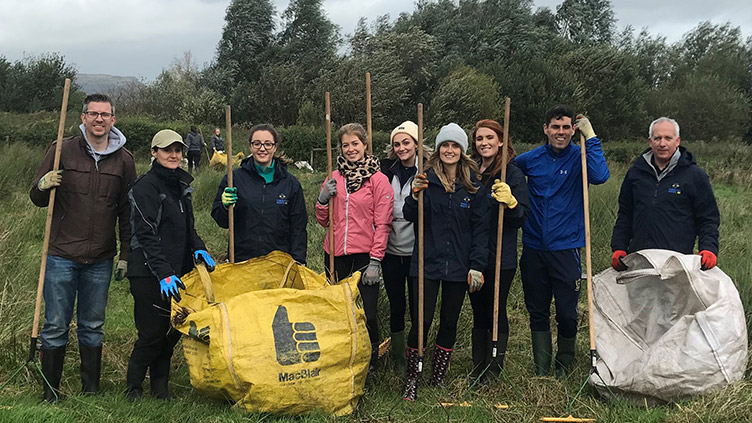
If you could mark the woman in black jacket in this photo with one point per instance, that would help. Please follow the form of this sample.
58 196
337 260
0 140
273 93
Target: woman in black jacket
487 147
455 246
164 245
270 212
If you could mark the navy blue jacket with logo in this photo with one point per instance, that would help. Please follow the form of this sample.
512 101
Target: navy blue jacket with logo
556 220
455 232
668 214
269 216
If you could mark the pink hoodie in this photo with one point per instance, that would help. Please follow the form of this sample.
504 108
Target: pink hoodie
362 220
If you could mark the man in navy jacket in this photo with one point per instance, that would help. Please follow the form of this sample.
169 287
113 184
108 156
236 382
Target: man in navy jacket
666 201
555 231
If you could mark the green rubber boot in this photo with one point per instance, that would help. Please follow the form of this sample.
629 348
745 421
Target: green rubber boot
564 355
542 352
398 351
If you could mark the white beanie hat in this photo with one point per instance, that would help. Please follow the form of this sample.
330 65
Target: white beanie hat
407 127
452 132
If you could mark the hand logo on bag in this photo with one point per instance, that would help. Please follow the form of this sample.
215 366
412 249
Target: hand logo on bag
294 342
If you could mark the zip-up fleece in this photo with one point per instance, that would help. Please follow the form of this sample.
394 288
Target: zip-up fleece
554 180
362 220
402 236
268 216
669 213
92 196
164 237
455 233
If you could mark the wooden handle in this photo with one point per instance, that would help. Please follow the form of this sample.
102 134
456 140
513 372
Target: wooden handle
206 282
497 272
588 265
368 113
50 209
230 160
327 104
421 223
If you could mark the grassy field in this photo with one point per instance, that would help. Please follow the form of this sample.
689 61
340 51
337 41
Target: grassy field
21 233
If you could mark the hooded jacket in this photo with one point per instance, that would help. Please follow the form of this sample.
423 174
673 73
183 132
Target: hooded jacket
163 233
362 220
92 198
554 180
513 219
667 212
194 141
268 216
402 235
456 230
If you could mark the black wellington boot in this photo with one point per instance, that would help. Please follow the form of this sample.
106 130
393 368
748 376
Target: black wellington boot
496 364
564 355
542 351
134 380
440 366
91 368
52 369
410 392
480 348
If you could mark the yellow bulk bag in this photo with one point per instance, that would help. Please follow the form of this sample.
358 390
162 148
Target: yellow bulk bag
219 160
277 338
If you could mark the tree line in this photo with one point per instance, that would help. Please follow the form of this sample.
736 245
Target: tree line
458 58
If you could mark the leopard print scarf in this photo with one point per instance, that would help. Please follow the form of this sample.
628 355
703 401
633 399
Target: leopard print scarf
357 173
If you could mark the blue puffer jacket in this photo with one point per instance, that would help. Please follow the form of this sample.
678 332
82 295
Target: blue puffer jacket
456 230
556 220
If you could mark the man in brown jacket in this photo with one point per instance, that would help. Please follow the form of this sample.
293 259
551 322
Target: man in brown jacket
95 175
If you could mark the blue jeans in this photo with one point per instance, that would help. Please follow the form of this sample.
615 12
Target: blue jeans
62 281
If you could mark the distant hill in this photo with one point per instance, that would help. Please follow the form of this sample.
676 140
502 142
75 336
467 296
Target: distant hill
108 84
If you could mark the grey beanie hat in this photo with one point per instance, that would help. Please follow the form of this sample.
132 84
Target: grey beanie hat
452 132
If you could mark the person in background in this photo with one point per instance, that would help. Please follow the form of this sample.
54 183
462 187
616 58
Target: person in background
362 201
487 147
96 172
195 142
554 232
455 247
164 247
270 212
400 167
217 142
666 201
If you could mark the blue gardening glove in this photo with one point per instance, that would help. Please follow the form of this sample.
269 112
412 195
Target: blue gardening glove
50 179
371 275
169 287
229 196
328 191
121 270
202 255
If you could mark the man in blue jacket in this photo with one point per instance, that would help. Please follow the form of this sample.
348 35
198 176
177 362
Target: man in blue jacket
666 201
555 231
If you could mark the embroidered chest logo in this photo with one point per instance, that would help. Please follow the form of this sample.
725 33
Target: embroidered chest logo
465 203
563 172
282 199
675 189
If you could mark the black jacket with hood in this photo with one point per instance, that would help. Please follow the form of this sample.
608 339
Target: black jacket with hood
269 216
668 211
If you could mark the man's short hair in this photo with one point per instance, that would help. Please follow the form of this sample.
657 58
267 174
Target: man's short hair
559 111
97 98
663 119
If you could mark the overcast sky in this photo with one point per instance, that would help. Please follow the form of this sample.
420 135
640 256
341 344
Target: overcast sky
141 37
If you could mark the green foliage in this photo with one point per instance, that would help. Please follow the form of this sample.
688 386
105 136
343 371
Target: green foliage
463 96
586 22
36 83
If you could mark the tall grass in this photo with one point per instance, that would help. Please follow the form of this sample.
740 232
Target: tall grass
21 232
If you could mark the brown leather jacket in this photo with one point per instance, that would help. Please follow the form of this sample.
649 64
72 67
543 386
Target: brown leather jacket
88 202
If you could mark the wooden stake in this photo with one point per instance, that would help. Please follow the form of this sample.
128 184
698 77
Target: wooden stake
230 160
421 223
588 264
368 113
497 272
327 104
48 222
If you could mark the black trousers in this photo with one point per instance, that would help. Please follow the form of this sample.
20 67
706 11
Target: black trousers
483 300
156 338
345 266
452 297
194 158
547 275
395 270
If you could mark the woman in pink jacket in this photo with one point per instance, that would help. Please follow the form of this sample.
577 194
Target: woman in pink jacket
362 201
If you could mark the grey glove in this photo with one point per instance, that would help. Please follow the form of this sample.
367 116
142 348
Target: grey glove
475 280
583 124
371 275
50 180
121 270
328 191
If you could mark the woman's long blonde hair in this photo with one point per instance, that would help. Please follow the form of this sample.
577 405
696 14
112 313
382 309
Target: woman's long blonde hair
464 168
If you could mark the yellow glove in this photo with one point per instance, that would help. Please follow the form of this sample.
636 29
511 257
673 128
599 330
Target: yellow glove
501 192
583 124
50 180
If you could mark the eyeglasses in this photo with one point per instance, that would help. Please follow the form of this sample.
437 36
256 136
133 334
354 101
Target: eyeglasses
267 145
94 115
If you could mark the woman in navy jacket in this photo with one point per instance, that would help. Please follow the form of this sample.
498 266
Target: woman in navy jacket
456 246
270 212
